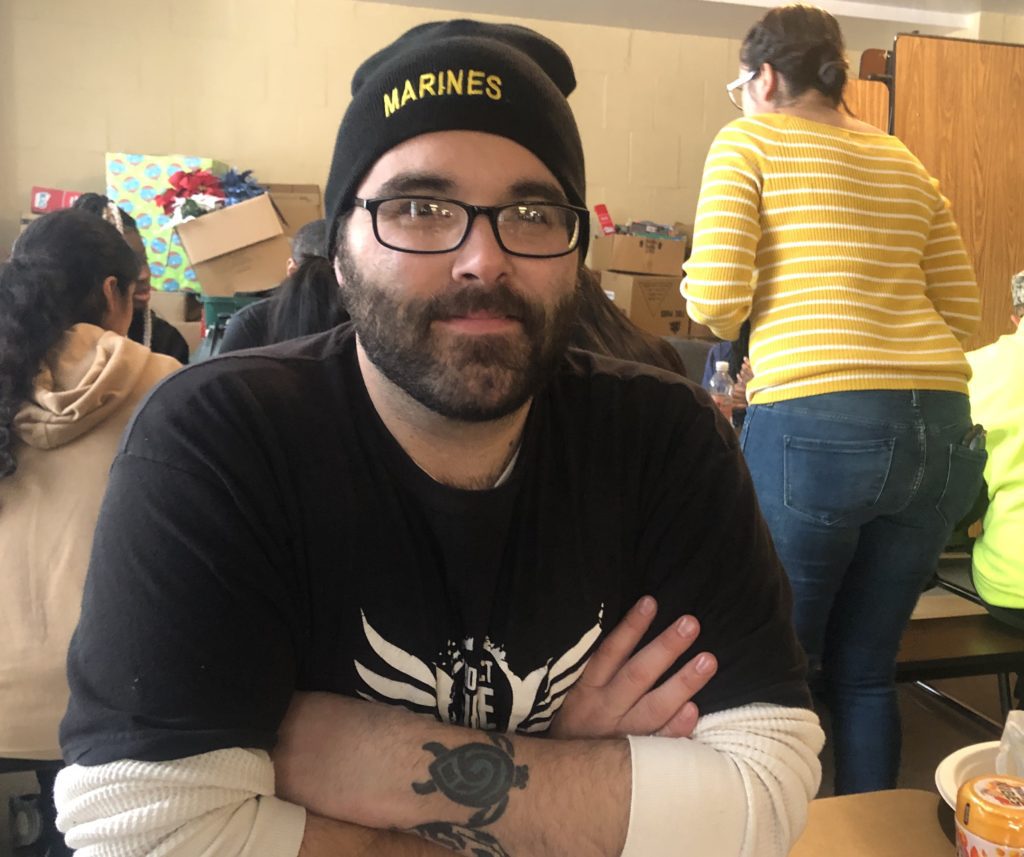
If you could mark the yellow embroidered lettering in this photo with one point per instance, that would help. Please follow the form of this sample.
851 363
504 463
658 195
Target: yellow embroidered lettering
408 94
455 82
449 81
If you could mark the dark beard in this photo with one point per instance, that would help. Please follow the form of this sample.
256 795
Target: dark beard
473 378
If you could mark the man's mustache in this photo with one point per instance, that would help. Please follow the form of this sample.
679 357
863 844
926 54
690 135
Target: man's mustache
495 300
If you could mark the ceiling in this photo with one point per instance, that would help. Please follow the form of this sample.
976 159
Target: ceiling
866 23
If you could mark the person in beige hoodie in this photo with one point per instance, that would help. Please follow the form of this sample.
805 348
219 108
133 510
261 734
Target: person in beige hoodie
69 382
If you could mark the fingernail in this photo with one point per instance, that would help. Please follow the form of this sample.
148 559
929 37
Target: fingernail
687 626
705 664
645 605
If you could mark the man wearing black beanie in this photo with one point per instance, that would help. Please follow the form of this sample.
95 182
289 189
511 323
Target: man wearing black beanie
438 510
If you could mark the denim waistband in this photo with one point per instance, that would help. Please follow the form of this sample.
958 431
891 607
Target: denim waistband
906 407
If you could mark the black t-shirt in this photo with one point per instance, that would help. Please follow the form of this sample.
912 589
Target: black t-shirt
165 339
248 328
263 533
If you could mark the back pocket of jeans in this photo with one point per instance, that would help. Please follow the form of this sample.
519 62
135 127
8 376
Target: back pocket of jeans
963 482
835 481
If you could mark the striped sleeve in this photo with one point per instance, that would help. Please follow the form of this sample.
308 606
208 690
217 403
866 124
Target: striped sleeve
950 283
719 273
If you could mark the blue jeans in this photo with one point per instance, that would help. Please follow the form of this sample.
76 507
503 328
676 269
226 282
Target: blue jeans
861 491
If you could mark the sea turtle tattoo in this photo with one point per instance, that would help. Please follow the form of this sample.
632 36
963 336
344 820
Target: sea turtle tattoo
476 775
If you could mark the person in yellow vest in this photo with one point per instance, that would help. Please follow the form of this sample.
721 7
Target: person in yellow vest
835 242
998 560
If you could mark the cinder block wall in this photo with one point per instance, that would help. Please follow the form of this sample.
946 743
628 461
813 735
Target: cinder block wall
262 84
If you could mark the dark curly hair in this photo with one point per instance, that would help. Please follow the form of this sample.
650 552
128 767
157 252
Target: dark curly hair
804 45
102 206
53 280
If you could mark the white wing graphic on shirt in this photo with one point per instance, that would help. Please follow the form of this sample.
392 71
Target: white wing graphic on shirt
561 676
419 690
535 698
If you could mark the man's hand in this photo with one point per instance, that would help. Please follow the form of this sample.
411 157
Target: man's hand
613 697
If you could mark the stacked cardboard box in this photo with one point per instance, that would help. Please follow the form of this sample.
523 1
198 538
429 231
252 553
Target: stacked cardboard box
245 247
642 275
652 303
183 310
134 181
298 204
635 254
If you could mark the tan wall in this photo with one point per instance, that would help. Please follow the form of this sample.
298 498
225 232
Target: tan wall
998 27
262 84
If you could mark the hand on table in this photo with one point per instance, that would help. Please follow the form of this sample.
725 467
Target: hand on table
613 697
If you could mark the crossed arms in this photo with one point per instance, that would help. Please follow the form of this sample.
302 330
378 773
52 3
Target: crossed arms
371 775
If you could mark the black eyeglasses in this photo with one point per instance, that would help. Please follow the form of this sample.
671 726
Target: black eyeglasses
423 224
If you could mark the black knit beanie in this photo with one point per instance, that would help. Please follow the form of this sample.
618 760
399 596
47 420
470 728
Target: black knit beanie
460 75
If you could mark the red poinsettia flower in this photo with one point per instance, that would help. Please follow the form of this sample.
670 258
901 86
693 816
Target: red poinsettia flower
166 200
185 185
202 181
177 180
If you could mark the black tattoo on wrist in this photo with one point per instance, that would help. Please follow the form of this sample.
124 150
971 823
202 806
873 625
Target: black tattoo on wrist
479 776
461 839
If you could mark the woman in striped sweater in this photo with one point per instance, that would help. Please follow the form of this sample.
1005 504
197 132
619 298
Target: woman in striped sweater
834 241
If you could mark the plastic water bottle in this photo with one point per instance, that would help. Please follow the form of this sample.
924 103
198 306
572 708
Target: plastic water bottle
720 387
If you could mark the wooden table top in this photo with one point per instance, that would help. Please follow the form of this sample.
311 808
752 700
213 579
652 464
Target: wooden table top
898 823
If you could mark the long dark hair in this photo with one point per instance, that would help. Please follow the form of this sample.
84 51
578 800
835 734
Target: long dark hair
53 280
603 328
803 44
309 301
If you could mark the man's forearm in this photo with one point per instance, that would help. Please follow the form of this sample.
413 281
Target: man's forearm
472 792
325 837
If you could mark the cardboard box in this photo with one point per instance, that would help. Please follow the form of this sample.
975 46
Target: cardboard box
699 331
180 306
636 255
651 303
298 204
242 248
193 333
133 182
47 199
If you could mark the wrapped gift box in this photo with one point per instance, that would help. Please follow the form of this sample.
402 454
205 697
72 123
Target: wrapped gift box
133 181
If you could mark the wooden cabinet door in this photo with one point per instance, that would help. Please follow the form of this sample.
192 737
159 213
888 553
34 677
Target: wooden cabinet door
960 108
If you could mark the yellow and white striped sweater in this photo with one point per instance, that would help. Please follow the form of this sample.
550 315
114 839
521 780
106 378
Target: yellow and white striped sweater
839 247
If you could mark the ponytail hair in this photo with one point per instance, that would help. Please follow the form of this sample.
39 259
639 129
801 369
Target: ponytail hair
804 45
309 301
103 206
53 280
